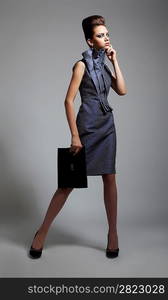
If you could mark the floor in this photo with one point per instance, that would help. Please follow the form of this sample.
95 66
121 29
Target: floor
80 252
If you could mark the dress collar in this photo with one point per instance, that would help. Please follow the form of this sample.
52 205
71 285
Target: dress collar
95 62
97 56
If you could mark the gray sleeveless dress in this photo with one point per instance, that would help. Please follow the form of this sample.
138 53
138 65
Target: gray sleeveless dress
95 120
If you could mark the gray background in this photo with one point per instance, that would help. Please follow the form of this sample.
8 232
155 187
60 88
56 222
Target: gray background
39 43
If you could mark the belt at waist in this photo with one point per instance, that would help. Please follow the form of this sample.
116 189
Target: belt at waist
105 107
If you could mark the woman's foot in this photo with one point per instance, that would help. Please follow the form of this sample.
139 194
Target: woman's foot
36 248
112 249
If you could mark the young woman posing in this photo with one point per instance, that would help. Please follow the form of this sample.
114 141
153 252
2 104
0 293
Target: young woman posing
94 127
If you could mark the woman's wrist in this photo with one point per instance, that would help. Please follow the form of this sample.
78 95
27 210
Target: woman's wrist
75 135
113 61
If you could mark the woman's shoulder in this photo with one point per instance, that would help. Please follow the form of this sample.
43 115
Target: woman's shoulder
79 64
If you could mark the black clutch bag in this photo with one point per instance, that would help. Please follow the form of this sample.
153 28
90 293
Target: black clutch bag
71 169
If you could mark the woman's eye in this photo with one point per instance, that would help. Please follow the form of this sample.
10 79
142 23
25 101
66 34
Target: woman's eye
101 35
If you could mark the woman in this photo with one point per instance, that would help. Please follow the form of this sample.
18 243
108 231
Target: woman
94 127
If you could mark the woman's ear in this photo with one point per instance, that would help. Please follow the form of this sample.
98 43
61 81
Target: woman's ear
90 43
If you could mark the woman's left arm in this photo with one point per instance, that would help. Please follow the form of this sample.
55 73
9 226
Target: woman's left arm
118 82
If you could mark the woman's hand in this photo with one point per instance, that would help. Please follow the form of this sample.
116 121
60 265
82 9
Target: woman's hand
76 145
110 52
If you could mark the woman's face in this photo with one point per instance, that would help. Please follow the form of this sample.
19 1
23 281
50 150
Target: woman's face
100 38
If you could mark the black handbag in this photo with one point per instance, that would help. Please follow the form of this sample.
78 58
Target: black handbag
71 169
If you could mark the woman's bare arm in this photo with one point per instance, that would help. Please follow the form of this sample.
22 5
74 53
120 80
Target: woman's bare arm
78 71
118 82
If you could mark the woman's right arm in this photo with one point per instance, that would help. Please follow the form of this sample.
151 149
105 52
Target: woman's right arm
78 71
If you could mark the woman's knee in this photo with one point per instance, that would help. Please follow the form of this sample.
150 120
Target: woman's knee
65 190
108 178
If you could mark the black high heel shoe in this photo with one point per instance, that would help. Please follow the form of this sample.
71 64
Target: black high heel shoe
111 253
35 253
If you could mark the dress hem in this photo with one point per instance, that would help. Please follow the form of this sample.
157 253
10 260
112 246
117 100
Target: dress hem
98 174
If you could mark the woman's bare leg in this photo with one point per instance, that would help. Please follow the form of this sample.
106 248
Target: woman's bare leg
110 201
54 207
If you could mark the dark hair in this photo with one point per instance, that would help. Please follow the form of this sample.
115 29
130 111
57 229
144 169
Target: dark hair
89 23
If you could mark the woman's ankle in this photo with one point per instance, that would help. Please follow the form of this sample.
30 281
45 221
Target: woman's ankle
42 232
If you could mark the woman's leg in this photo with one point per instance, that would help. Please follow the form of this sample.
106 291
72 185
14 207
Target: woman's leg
110 201
54 207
